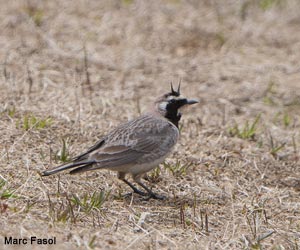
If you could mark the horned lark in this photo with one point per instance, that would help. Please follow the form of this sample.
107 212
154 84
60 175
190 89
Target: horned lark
137 146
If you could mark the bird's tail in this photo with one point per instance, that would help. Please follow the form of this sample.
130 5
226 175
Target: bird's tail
83 163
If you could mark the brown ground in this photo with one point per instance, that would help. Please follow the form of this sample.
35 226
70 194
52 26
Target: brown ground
226 188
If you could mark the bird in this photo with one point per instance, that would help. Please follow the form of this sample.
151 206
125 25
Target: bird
137 146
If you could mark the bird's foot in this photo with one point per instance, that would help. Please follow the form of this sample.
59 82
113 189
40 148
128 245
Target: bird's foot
145 196
140 192
155 196
127 195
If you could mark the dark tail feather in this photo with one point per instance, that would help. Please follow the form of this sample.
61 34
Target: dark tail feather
65 166
82 169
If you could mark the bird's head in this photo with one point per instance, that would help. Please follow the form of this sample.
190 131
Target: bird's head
169 104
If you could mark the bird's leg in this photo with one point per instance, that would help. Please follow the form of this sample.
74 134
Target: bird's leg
137 179
150 193
134 188
121 176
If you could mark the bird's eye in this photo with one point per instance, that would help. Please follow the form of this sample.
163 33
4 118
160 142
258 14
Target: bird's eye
172 101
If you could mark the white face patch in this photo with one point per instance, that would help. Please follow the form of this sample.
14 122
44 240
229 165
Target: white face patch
163 106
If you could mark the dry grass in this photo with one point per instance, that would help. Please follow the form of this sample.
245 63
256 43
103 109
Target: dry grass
72 70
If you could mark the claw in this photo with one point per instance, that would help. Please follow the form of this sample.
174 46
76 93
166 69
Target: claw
158 197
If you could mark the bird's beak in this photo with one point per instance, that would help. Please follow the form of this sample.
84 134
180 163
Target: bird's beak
191 101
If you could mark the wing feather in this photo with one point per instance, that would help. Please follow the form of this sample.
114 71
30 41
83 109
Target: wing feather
142 144
138 141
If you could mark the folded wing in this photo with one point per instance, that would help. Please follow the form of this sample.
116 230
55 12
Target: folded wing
139 141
